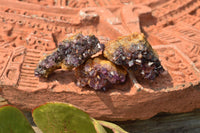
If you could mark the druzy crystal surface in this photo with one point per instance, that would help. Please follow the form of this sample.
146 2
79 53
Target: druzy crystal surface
134 52
70 53
125 55
98 73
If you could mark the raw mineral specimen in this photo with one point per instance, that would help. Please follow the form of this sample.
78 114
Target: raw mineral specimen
99 73
70 53
50 63
135 53
126 54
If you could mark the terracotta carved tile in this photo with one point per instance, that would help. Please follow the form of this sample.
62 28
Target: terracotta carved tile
31 28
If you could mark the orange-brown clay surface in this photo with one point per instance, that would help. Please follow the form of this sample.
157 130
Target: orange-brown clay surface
30 28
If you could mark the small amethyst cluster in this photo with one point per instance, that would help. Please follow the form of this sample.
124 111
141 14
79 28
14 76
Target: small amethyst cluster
49 64
78 49
98 73
70 53
134 52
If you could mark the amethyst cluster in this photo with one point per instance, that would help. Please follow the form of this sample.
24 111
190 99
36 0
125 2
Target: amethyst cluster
98 73
49 64
70 53
135 53
127 53
78 49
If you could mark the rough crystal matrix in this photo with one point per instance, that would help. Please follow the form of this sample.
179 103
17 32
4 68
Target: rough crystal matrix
70 53
126 54
99 73
134 52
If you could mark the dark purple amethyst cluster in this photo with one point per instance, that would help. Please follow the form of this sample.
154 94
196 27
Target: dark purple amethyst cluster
70 53
49 64
78 49
127 53
149 66
99 73
134 52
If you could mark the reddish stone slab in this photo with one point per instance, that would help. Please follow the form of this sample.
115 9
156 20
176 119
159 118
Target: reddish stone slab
173 92
28 30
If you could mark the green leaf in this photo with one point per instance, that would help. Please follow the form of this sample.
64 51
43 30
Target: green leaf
12 120
98 127
115 128
62 118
